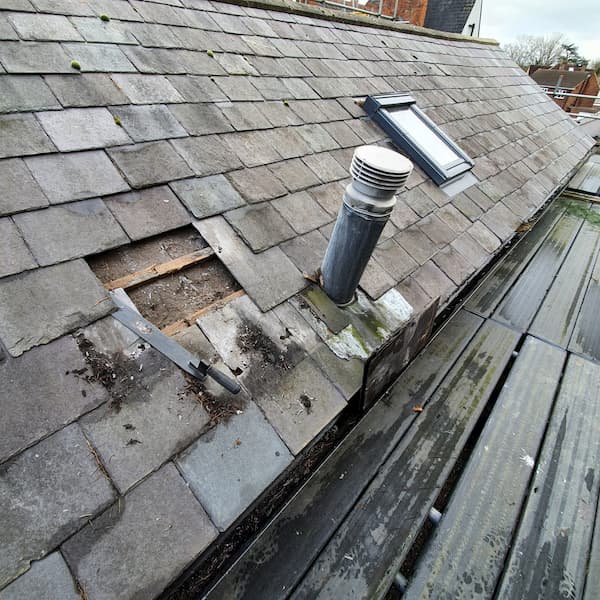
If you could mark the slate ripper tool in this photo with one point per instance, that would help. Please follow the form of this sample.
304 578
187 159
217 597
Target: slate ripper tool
170 348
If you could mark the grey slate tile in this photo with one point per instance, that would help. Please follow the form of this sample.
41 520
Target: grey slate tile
484 237
234 64
232 464
7 31
161 509
165 414
88 89
195 88
326 167
207 196
434 281
394 259
329 197
417 244
64 7
96 30
76 176
105 58
150 163
271 88
268 278
257 184
475 254
60 473
436 230
115 8
42 391
414 294
501 221
207 155
298 426
147 89
294 175
34 57
244 116
69 231
18 189
453 218
342 134
14 254
260 226
287 142
301 211
39 27
279 114
252 148
454 265
201 119
237 88
20 5
25 92
39 306
21 135
48 578
148 212
149 123
306 251
375 280
82 129
317 138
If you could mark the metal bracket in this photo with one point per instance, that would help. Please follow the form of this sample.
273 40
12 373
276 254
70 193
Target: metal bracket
168 347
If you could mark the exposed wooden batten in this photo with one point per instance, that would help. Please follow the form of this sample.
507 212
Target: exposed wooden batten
158 270
184 323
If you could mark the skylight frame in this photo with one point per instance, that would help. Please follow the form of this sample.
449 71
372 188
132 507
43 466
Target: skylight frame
380 108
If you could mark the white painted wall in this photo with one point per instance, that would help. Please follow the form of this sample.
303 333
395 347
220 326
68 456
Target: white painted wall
474 17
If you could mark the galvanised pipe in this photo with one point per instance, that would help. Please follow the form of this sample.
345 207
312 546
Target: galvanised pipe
369 199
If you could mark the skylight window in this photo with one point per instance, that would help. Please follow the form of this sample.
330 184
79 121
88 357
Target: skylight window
418 136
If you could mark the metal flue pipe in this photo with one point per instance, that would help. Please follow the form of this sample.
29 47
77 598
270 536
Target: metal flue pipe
377 174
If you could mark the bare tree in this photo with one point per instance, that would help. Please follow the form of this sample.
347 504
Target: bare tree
538 50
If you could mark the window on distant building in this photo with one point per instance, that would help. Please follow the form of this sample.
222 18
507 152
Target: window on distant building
559 93
418 136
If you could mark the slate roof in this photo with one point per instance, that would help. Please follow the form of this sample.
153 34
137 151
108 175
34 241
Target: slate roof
448 15
557 77
242 121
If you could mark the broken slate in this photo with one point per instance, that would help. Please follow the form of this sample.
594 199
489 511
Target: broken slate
39 306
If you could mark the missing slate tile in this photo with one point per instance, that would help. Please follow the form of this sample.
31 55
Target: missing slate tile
188 287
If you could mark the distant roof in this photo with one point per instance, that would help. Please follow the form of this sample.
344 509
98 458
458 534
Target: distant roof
556 77
448 15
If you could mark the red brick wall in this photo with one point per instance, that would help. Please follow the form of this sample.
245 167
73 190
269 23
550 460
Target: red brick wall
413 11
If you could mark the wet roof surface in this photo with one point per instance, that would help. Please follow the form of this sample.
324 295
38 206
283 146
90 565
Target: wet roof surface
241 121
526 347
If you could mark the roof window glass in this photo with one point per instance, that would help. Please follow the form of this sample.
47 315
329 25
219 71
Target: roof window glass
418 136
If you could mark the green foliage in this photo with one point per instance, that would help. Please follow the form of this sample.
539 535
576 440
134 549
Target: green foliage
210 53
75 65
105 18
117 121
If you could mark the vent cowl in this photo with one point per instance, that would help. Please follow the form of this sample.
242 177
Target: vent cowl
381 171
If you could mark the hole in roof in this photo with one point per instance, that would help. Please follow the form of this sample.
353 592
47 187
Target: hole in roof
170 278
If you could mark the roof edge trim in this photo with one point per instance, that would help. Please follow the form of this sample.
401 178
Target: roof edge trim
289 6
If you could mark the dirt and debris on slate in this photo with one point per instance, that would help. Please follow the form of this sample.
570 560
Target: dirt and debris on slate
200 125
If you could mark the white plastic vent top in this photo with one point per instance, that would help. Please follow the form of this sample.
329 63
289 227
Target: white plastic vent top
380 168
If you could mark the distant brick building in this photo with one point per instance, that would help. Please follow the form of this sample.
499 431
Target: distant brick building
568 79
453 16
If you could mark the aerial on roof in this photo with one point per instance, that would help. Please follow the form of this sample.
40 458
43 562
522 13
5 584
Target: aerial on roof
194 154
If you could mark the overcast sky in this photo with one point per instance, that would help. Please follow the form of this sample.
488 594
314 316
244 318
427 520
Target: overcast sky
579 20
